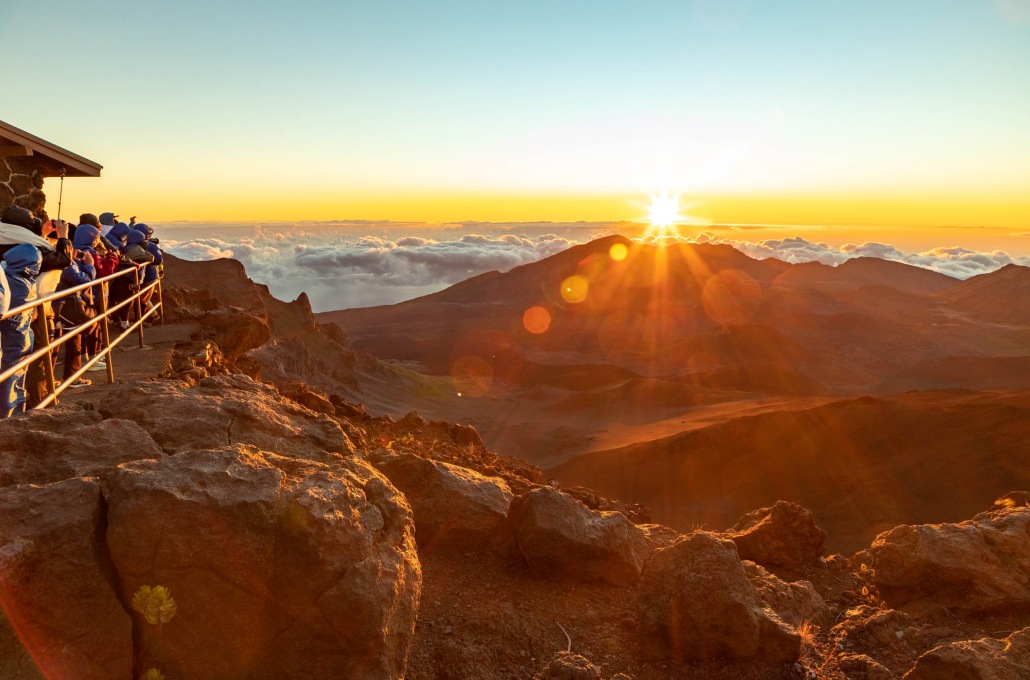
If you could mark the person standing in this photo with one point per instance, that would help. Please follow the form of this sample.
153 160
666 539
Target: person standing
22 265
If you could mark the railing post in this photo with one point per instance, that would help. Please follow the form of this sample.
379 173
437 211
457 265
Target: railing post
160 302
105 335
139 309
43 330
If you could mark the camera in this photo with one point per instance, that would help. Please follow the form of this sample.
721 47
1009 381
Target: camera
155 241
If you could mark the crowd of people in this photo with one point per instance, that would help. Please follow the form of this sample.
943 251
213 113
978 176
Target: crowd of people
76 254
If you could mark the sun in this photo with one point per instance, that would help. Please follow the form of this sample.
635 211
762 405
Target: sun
664 214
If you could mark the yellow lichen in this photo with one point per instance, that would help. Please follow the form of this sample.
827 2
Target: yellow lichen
155 604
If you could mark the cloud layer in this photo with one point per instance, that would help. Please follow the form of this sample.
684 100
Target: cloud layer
376 264
338 272
953 261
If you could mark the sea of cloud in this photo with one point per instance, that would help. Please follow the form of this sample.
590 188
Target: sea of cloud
339 266
338 269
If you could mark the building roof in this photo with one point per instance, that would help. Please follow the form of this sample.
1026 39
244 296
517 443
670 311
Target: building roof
50 159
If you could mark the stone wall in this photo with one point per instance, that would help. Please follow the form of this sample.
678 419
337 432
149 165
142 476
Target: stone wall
22 184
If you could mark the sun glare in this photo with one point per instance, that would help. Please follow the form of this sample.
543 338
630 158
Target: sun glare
664 214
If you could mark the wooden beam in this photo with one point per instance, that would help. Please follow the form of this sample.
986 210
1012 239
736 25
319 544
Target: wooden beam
14 150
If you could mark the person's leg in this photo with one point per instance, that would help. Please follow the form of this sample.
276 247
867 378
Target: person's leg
72 356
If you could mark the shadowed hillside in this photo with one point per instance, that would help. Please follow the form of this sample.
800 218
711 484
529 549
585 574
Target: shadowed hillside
861 465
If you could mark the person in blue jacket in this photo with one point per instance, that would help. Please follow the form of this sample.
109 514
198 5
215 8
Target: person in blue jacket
153 271
80 271
22 265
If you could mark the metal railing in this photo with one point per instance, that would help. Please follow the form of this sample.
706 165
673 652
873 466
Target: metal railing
43 329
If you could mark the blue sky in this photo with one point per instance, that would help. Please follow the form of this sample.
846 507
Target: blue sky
333 106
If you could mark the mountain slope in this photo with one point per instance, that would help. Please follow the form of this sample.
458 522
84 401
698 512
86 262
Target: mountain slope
861 465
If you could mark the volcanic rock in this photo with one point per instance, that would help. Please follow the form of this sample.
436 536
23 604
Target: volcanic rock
886 635
784 535
227 410
308 397
986 659
568 666
279 568
237 331
559 536
453 506
695 602
40 447
794 602
55 588
980 565
660 535
265 337
862 667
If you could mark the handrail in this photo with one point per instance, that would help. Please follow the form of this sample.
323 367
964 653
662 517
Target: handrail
57 295
107 344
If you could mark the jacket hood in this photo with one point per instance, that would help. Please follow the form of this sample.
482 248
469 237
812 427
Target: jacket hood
23 260
144 229
85 235
119 232
134 238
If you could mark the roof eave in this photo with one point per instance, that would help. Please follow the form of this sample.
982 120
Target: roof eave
54 158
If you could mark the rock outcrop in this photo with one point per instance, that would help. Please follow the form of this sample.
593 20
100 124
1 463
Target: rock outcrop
695 602
64 442
279 568
795 602
979 565
227 410
784 535
454 507
261 336
60 617
986 659
561 537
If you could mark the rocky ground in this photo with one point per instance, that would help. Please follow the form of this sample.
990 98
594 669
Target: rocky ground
210 525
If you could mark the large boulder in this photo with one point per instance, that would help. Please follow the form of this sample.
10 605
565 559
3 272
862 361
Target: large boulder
41 447
784 535
795 602
227 410
453 506
986 659
695 602
559 536
60 616
979 565
279 567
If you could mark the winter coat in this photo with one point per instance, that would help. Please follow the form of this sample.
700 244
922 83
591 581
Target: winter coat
58 258
106 264
22 263
118 233
153 271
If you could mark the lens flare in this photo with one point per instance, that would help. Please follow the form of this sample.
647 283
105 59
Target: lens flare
536 320
473 374
574 289
618 252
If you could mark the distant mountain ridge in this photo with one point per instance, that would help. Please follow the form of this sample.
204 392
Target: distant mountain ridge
689 309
